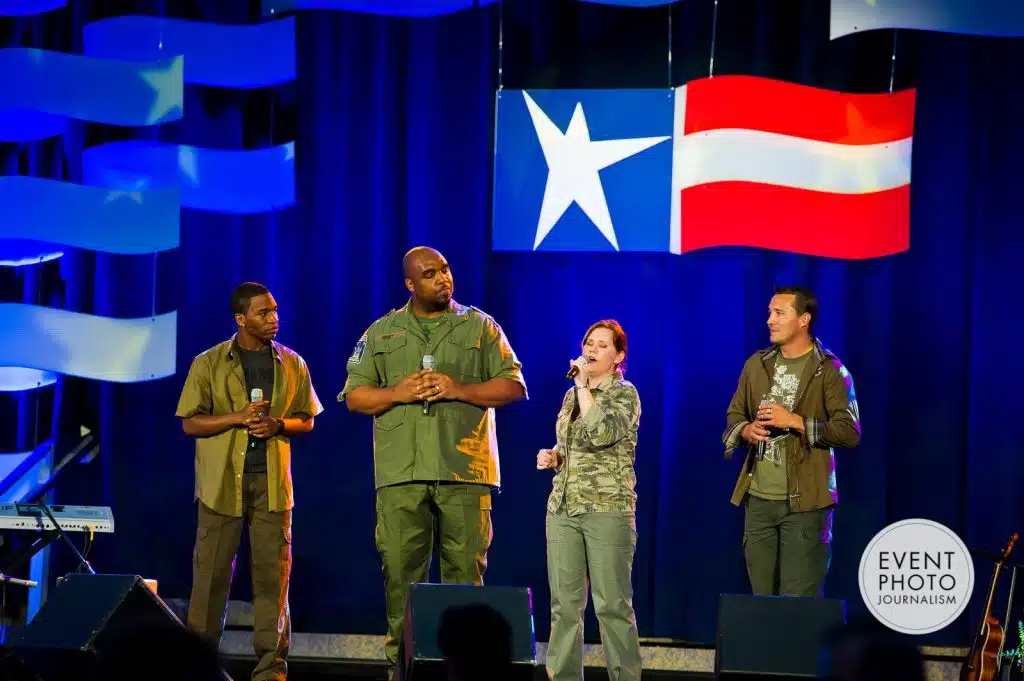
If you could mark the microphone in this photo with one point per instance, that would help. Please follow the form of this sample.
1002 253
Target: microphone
15 580
428 364
765 399
580 362
255 395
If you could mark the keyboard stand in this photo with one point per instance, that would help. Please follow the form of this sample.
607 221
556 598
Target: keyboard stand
15 551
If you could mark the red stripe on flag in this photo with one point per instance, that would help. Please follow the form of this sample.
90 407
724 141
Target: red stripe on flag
846 226
798 110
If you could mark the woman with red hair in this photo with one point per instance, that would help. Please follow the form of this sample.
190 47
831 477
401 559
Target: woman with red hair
591 524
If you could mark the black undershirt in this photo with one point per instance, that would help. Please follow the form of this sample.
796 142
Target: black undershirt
258 366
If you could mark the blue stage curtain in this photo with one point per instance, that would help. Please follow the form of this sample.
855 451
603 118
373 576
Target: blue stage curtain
393 123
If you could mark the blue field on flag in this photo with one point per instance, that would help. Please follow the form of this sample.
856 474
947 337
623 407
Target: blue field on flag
583 170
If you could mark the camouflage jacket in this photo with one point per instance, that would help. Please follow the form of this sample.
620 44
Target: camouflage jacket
596 452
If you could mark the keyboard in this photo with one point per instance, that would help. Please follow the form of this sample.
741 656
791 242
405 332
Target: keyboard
71 518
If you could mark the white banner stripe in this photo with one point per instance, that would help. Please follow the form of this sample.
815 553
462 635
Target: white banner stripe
88 346
770 158
997 18
678 127
16 379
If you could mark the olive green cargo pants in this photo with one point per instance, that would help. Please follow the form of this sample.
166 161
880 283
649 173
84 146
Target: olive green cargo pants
409 517
787 553
213 564
595 550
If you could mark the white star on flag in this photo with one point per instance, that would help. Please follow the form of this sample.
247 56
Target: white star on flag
574 161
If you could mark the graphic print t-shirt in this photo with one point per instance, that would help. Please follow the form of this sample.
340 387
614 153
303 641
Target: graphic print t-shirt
770 473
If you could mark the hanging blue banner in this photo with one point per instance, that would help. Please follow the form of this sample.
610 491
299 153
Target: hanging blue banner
26 125
217 55
55 213
25 8
25 252
417 8
96 90
216 180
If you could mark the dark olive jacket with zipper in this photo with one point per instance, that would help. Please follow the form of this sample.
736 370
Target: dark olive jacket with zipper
826 401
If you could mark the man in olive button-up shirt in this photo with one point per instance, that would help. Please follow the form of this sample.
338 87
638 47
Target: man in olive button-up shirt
435 464
243 471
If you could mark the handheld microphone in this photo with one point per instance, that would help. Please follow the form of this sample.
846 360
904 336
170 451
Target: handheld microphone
580 361
428 364
15 580
760 445
255 395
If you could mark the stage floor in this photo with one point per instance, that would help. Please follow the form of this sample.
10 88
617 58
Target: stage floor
356 656
361 657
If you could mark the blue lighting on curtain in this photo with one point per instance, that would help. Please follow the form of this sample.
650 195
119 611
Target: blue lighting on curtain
89 346
89 89
217 55
23 8
19 379
93 218
216 180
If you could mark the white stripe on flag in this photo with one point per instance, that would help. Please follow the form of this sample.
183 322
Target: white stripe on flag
770 158
675 244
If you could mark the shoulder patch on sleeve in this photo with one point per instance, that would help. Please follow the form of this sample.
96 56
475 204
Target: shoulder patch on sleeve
357 351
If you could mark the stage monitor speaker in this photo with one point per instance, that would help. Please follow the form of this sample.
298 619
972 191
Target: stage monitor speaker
762 636
83 621
419 656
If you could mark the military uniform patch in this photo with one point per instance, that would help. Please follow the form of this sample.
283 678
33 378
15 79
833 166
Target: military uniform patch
357 351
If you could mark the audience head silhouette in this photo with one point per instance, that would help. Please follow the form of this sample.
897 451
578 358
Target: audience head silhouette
865 650
476 642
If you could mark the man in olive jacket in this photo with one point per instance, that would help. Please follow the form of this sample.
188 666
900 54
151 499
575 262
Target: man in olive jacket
435 448
794 403
243 472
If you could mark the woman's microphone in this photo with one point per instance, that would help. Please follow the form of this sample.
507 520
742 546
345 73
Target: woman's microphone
580 362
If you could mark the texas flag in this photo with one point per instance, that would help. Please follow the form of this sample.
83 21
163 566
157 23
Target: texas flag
723 161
